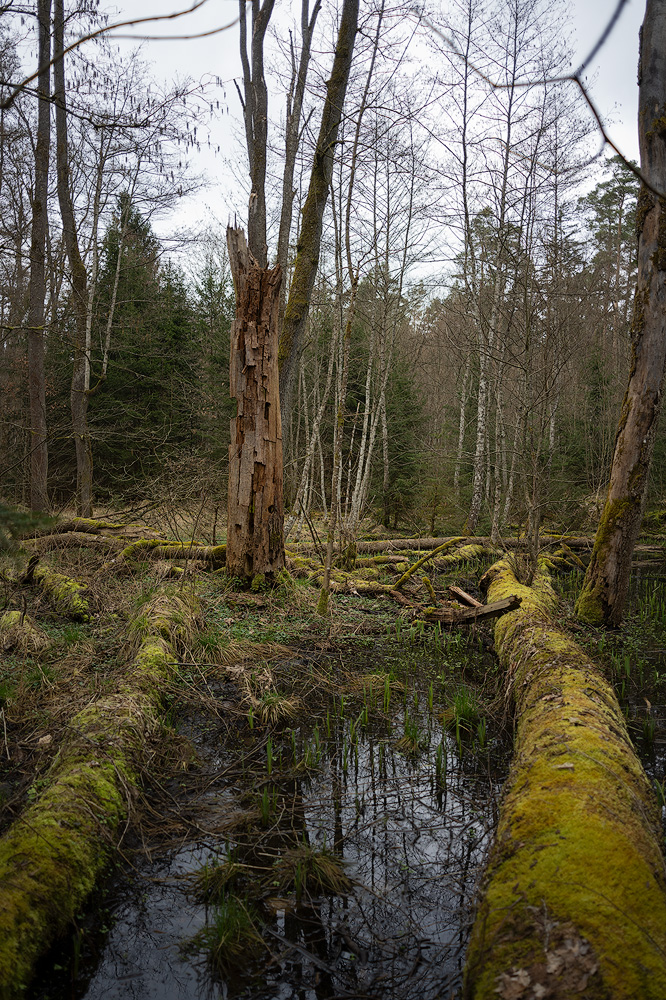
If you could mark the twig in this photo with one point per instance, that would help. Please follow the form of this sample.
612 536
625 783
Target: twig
4 726
315 536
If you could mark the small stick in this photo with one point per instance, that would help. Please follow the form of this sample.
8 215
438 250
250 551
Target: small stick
4 726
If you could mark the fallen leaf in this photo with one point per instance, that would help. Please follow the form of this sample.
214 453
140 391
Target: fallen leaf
44 741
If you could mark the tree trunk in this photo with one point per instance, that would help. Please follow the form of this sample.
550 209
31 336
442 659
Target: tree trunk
39 459
574 896
309 243
292 136
255 529
606 583
79 278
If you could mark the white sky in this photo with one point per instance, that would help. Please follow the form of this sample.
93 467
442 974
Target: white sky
611 79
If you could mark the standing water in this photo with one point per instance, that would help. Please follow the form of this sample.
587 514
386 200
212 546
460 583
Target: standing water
348 847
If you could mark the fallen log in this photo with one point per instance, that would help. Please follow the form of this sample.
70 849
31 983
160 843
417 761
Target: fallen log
66 594
74 539
90 526
574 896
464 597
468 616
427 544
52 855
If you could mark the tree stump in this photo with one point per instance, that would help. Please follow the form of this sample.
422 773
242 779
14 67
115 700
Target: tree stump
255 526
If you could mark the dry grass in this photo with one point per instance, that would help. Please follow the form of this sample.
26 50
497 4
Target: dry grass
304 870
19 634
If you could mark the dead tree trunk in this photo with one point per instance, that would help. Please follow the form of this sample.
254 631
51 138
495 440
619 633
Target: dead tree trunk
574 896
606 583
255 529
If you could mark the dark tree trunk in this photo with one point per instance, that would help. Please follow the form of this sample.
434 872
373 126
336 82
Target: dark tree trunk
39 460
255 526
293 132
255 114
79 388
309 243
607 580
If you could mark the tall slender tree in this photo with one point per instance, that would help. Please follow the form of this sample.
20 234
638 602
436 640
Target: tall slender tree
36 313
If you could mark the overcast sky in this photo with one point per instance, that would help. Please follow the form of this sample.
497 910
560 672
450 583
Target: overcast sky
611 78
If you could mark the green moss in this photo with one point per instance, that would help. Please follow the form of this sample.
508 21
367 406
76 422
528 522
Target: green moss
592 606
644 206
577 855
322 603
52 856
66 594
258 582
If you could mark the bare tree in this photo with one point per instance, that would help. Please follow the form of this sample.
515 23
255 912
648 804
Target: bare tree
36 312
78 275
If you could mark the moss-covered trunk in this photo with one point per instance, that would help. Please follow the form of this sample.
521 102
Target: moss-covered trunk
606 583
574 896
255 523
309 239
53 854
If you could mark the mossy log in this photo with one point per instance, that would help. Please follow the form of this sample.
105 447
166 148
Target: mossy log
19 632
574 895
52 855
91 526
420 545
66 594
424 559
74 539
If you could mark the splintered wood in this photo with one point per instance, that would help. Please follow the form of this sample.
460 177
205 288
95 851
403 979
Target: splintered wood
255 533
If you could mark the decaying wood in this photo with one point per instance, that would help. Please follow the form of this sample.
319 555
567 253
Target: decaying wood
574 895
461 595
468 616
255 528
387 545
74 539
91 526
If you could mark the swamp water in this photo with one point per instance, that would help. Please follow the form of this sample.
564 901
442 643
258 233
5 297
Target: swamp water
405 802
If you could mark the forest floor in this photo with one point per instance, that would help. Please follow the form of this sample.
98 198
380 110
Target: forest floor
295 759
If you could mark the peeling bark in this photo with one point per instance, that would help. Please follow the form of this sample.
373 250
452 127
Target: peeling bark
255 527
574 896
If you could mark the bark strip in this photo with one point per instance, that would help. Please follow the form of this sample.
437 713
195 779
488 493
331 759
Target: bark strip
574 895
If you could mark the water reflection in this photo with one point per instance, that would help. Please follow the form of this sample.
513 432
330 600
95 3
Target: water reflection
411 844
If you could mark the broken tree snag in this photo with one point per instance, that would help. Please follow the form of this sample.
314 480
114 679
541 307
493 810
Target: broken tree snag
255 527
574 895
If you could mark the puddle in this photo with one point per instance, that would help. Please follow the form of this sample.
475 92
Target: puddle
410 828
